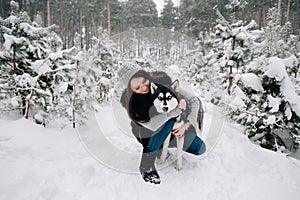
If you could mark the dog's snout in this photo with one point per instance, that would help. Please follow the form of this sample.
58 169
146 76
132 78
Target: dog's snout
165 109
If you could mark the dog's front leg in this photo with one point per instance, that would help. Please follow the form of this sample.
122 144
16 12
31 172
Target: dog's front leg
180 141
199 133
163 156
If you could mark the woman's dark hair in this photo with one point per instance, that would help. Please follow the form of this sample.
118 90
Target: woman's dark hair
160 77
138 74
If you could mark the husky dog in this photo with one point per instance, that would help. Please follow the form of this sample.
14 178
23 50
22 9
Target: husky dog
165 99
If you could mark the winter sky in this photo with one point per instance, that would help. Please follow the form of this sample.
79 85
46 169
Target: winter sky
160 4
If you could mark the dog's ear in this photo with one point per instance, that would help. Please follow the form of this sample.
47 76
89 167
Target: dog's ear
153 87
175 85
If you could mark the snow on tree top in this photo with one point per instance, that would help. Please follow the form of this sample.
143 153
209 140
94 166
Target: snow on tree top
275 69
55 56
291 61
10 40
270 120
41 67
251 80
274 103
12 19
288 90
32 30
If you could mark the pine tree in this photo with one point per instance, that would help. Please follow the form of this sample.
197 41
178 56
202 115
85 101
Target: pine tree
268 103
264 97
230 49
169 15
23 44
197 16
141 13
103 64
116 16
91 81
34 65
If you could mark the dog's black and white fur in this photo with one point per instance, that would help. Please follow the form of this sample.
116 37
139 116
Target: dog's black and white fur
165 99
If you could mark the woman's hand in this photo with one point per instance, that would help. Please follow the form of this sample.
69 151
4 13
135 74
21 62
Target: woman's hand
182 104
179 132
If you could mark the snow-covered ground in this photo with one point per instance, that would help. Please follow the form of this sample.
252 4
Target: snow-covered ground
62 164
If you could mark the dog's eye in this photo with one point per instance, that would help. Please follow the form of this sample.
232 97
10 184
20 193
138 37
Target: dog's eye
160 98
169 97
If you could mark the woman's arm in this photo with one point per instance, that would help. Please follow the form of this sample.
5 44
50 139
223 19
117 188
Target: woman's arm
157 121
194 104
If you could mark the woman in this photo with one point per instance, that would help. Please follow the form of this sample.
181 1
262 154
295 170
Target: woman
151 130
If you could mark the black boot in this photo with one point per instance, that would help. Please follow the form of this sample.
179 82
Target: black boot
151 176
147 168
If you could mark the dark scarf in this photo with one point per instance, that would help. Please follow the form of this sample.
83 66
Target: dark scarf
139 106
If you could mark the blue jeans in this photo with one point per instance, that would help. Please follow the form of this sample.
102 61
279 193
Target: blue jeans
192 143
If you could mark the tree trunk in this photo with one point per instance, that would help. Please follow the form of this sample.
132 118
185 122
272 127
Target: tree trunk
3 14
86 33
279 11
100 14
14 59
74 101
80 25
288 11
66 27
25 8
61 18
230 78
260 13
139 53
108 16
45 12
49 12
73 31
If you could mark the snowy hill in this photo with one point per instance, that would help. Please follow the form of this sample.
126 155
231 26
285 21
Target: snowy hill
38 163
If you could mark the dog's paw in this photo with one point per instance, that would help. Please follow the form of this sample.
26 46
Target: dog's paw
178 168
151 177
160 161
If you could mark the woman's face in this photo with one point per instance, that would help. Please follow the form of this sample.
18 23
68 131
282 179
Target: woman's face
140 85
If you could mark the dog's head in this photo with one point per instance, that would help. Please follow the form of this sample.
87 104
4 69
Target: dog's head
165 98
